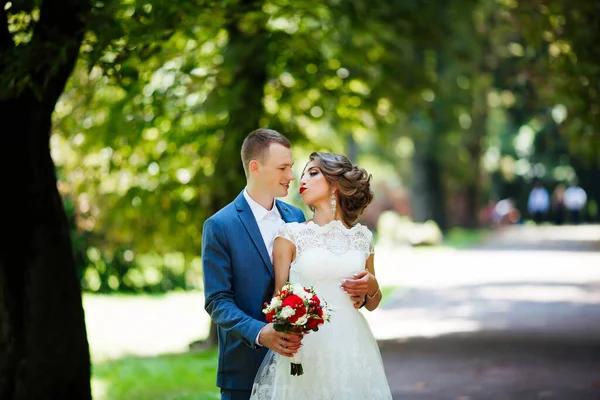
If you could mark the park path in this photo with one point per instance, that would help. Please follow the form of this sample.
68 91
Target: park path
517 317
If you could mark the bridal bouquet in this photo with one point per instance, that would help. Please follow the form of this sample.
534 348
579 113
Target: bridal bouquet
296 309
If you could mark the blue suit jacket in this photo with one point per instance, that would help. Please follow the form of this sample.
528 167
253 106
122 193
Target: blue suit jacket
238 279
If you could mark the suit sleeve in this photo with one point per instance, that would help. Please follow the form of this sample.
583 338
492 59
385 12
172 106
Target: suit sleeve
217 275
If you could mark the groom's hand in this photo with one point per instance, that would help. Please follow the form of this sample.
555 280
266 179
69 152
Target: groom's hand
357 300
286 344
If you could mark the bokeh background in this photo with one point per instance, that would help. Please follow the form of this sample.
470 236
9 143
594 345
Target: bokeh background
458 108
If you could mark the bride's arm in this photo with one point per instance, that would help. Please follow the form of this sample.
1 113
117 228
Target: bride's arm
362 284
373 297
283 255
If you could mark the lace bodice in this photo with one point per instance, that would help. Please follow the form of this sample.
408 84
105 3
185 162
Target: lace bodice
325 255
334 237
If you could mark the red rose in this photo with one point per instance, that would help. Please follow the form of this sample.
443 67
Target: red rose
319 312
315 300
312 323
270 315
293 301
300 312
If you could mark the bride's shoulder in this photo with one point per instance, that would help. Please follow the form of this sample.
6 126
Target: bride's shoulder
302 228
292 225
302 224
358 225
362 229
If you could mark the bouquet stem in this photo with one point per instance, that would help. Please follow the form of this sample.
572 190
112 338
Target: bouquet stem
296 369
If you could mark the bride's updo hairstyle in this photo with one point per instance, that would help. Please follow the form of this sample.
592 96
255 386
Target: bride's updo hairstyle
353 184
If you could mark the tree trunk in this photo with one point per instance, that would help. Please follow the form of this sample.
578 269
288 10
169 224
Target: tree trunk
587 176
428 199
241 88
43 343
479 111
477 132
427 189
472 205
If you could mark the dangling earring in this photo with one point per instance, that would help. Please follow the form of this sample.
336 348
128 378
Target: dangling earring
333 204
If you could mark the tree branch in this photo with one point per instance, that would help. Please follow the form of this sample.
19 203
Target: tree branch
56 38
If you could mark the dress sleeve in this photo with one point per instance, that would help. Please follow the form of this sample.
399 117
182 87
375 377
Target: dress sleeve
371 246
286 232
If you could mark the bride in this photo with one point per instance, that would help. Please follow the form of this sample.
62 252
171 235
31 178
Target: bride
341 360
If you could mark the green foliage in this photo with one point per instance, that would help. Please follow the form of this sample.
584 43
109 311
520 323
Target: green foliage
566 69
147 133
183 376
149 139
458 238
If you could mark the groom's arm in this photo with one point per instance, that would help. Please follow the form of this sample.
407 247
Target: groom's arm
217 275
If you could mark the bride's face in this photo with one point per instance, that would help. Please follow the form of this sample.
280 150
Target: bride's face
314 188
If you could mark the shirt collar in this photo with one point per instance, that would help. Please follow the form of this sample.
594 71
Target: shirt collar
259 211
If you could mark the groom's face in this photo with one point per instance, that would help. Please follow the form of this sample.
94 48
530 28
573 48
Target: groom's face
276 170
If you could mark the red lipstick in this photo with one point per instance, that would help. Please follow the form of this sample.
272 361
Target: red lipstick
302 189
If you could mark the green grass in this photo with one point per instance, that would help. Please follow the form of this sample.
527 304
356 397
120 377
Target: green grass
458 238
387 293
164 377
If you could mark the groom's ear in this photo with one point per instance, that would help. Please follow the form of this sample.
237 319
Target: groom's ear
253 166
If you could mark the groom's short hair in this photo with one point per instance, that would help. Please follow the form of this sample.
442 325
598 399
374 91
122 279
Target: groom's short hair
256 146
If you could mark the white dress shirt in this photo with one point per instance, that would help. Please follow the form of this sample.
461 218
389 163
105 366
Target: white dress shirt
269 222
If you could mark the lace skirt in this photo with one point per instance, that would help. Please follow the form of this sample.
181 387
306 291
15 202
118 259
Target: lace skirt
341 362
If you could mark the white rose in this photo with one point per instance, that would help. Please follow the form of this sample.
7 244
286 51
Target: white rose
299 290
288 286
287 311
275 303
302 320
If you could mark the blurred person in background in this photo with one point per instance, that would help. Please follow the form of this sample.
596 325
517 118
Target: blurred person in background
575 199
505 213
538 203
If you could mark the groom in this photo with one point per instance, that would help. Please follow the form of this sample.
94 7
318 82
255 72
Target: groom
237 248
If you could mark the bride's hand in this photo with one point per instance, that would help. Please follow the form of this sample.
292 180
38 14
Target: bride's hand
363 283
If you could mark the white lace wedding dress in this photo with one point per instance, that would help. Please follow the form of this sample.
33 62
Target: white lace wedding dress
341 361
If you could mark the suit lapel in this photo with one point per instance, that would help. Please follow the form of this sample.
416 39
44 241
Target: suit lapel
285 212
249 222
